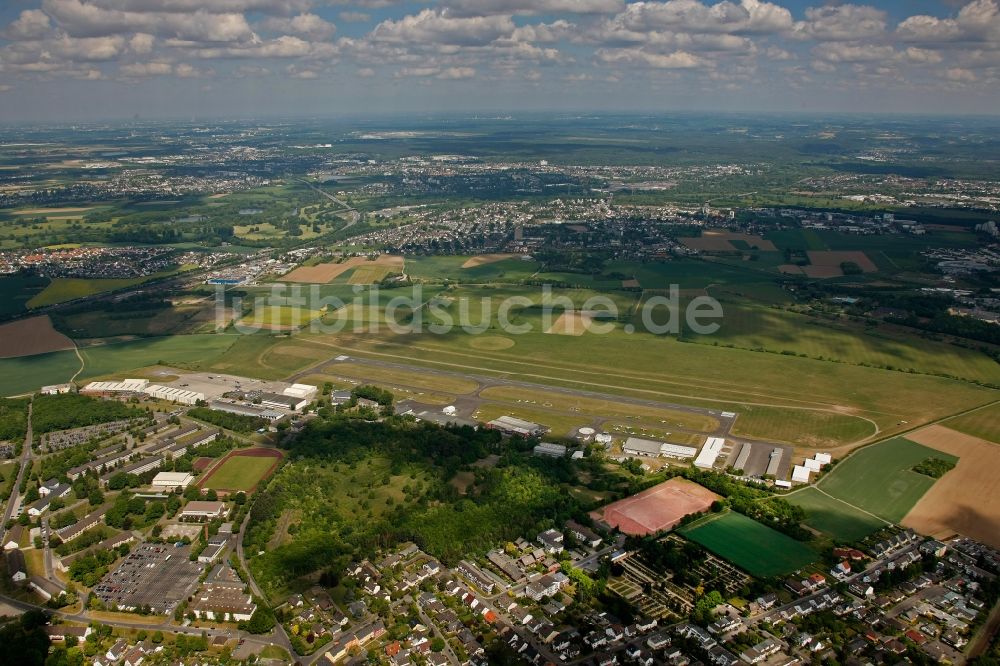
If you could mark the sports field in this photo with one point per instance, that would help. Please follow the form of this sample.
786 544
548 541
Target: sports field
242 470
879 478
753 547
658 508
843 522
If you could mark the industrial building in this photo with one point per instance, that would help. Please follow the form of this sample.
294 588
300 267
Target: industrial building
56 389
800 474
139 467
246 410
280 401
637 446
172 394
136 386
170 481
773 462
302 391
743 457
511 425
710 453
203 510
550 450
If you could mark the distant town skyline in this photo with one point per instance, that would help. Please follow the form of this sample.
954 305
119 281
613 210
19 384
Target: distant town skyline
65 60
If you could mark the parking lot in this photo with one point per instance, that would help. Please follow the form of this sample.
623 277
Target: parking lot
155 575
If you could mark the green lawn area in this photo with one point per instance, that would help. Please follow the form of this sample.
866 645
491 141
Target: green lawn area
822 406
180 350
802 427
844 523
239 473
983 423
755 548
766 328
879 479
25 374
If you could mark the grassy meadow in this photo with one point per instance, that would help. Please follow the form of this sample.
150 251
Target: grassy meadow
753 547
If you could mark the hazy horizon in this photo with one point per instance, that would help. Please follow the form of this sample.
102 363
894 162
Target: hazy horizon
81 60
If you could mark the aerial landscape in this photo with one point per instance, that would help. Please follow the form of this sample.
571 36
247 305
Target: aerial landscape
499 332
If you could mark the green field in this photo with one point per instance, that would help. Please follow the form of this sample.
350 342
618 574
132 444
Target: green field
26 374
239 473
180 350
879 480
983 423
755 548
801 427
844 523
67 289
776 330
831 411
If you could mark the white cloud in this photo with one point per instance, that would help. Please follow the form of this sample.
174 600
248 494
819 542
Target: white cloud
533 7
280 7
978 21
456 73
139 70
841 52
841 23
310 26
31 24
745 17
82 19
675 60
435 27
960 75
141 43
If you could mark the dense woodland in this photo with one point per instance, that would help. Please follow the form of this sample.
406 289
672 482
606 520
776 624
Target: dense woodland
71 410
13 419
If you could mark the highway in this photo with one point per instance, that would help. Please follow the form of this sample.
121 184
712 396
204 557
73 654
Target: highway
354 214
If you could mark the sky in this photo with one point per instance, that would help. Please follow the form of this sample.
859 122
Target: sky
82 60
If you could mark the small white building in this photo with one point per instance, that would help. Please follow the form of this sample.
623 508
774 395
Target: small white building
800 474
710 453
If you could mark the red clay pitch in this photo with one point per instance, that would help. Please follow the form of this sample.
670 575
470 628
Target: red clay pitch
658 508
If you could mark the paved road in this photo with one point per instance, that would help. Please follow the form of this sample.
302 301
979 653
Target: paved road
25 464
84 618
277 635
